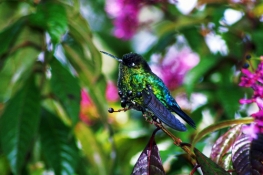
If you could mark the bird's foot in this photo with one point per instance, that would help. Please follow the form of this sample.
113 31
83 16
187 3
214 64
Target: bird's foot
148 117
111 110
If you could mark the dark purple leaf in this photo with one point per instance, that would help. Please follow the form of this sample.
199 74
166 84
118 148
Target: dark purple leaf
149 162
247 155
224 144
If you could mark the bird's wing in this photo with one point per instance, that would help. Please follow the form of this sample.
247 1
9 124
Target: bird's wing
175 108
160 111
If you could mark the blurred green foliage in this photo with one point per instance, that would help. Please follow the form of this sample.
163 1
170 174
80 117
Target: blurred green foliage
40 91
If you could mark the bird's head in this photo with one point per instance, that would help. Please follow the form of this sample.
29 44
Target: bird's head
132 61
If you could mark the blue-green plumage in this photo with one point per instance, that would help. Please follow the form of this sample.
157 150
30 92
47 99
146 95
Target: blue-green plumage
141 89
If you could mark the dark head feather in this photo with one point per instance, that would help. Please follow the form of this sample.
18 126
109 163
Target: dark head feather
133 60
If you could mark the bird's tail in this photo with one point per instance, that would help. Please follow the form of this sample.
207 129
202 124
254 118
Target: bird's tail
184 116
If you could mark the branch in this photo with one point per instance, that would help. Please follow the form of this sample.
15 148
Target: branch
178 142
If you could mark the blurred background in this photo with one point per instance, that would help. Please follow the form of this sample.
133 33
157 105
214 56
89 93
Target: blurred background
56 87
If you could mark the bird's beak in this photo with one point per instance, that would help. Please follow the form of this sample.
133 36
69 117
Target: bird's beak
116 58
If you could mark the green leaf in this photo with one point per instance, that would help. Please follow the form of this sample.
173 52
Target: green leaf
234 43
19 64
209 2
58 145
96 84
163 42
258 10
92 149
195 40
167 26
19 124
215 14
86 60
4 166
66 88
51 17
195 74
207 165
229 97
8 36
167 30
9 13
257 38
80 31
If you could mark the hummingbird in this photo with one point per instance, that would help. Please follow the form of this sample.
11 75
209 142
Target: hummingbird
140 89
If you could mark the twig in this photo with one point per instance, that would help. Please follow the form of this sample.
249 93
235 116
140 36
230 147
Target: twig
178 142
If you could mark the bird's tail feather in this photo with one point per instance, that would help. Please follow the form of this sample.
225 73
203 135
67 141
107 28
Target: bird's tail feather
184 116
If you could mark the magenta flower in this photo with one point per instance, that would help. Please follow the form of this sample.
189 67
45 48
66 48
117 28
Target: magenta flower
175 65
254 80
88 112
111 92
125 14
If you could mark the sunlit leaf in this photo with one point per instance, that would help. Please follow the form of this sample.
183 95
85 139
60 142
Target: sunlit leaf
220 125
202 2
76 57
66 88
207 165
52 17
9 13
58 144
94 81
19 62
224 144
226 162
19 124
167 26
247 155
92 149
86 60
4 166
79 29
149 162
258 10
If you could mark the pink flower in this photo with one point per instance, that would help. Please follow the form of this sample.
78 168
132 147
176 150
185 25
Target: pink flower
88 111
111 92
250 130
175 65
125 15
85 99
254 80
258 118
257 127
